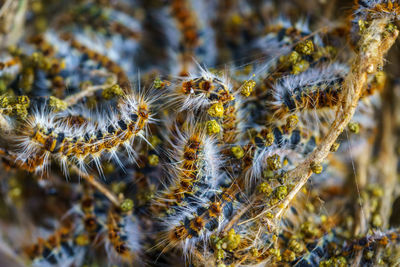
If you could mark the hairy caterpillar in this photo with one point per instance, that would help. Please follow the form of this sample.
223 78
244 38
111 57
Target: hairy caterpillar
192 227
34 163
321 254
122 237
43 134
111 33
92 213
59 67
57 249
196 170
186 23
316 89
282 35
52 65
375 238
109 64
292 49
200 91
100 19
187 27
194 186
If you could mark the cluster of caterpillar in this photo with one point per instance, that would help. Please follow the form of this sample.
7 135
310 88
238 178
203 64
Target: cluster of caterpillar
45 136
92 222
195 183
225 186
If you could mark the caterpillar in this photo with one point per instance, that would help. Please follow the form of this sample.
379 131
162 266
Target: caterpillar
111 33
36 163
123 237
57 249
321 254
291 49
53 65
43 134
189 34
191 228
316 88
100 19
93 217
200 91
282 35
109 64
196 170
376 238
195 182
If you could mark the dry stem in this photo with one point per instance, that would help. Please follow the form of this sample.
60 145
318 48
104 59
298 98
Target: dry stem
89 91
102 189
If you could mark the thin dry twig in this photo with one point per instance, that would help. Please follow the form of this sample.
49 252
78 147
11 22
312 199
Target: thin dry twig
89 91
102 189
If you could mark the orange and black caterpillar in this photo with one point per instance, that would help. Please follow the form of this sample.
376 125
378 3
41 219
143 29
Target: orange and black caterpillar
58 248
193 224
111 66
187 23
316 89
45 135
197 169
123 236
9 63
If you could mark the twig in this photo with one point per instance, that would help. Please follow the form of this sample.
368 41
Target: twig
92 180
89 91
